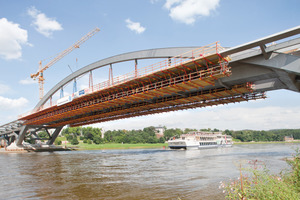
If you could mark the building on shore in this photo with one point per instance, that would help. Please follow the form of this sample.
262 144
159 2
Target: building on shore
159 131
288 138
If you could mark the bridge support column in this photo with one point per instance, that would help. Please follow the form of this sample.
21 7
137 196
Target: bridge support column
135 67
54 135
22 134
91 84
110 75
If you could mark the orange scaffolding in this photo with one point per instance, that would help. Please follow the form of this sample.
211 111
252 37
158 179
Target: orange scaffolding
174 84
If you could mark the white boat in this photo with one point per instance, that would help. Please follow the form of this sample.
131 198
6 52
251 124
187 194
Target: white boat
200 140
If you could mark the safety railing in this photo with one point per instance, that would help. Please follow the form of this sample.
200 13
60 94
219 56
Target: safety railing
195 54
175 61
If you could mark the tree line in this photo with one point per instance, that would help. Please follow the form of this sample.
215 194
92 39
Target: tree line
93 135
147 135
264 136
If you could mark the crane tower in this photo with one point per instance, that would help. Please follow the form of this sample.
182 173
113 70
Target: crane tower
40 72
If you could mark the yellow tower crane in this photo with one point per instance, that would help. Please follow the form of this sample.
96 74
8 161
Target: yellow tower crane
42 68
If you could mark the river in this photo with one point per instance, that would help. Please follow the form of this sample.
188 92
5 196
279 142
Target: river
131 174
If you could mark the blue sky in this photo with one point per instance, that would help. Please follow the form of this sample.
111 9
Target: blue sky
34 30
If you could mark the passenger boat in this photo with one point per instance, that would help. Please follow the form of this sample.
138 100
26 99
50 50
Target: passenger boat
200 140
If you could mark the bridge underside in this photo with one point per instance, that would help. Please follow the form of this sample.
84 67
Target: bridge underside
17 132
196 79
190 84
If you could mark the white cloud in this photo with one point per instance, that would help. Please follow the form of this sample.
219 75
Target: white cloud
4 89
187 11
44 25
135 26
12 37
9 104
153 1
27 81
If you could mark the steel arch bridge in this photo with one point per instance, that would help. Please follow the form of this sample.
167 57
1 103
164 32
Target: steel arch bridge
131 56
186 80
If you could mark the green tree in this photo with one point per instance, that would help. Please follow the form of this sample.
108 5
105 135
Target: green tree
227 132
187 130
43 134
57 142
161 140
97 139
74 141
169 133
69 137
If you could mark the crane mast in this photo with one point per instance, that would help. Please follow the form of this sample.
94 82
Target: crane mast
40 72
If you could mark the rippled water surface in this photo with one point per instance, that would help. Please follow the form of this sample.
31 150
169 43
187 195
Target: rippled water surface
131 174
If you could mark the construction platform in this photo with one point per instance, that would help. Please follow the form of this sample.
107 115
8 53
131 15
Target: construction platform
178 83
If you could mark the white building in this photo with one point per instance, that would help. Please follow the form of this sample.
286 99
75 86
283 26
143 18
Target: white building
159 131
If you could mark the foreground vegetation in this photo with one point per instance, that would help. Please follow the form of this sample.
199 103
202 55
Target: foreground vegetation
256 182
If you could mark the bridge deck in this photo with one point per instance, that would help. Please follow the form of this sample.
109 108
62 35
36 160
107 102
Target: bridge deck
174 84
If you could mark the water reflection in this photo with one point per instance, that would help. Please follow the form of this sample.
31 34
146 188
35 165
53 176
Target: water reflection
130 174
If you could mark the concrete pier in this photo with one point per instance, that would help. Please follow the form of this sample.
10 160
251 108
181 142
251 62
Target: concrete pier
13 148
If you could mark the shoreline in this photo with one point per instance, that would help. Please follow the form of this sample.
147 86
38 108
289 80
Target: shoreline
120 146
267 142
111 146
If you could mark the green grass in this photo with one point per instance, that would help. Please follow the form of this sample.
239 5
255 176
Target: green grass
85 146
270 142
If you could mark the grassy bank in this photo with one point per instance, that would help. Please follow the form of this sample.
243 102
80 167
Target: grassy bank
270 142
84 146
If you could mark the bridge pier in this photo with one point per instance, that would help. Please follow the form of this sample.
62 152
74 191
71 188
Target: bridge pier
22 135
15 139
54 135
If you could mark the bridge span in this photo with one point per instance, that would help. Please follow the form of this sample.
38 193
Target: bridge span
187 78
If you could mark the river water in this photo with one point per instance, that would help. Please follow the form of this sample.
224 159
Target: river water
131 174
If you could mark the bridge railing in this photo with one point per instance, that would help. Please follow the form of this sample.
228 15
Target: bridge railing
162 65
172 62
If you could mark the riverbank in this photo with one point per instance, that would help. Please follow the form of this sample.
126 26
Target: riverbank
84 146
265 142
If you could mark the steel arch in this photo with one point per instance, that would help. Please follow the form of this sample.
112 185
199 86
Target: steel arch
136 55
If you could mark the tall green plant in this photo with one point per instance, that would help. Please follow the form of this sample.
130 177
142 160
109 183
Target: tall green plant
256 182
293 177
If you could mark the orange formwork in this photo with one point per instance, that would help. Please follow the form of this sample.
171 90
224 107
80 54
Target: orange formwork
106 99
164 105
180 83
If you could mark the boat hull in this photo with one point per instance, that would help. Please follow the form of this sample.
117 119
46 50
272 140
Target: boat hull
183 144
200 140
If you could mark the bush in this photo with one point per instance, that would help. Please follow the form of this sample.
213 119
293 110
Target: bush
293 177
57 142
74 141
85 141
256 182
69 137
97 139
81 138
89 141
161 140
